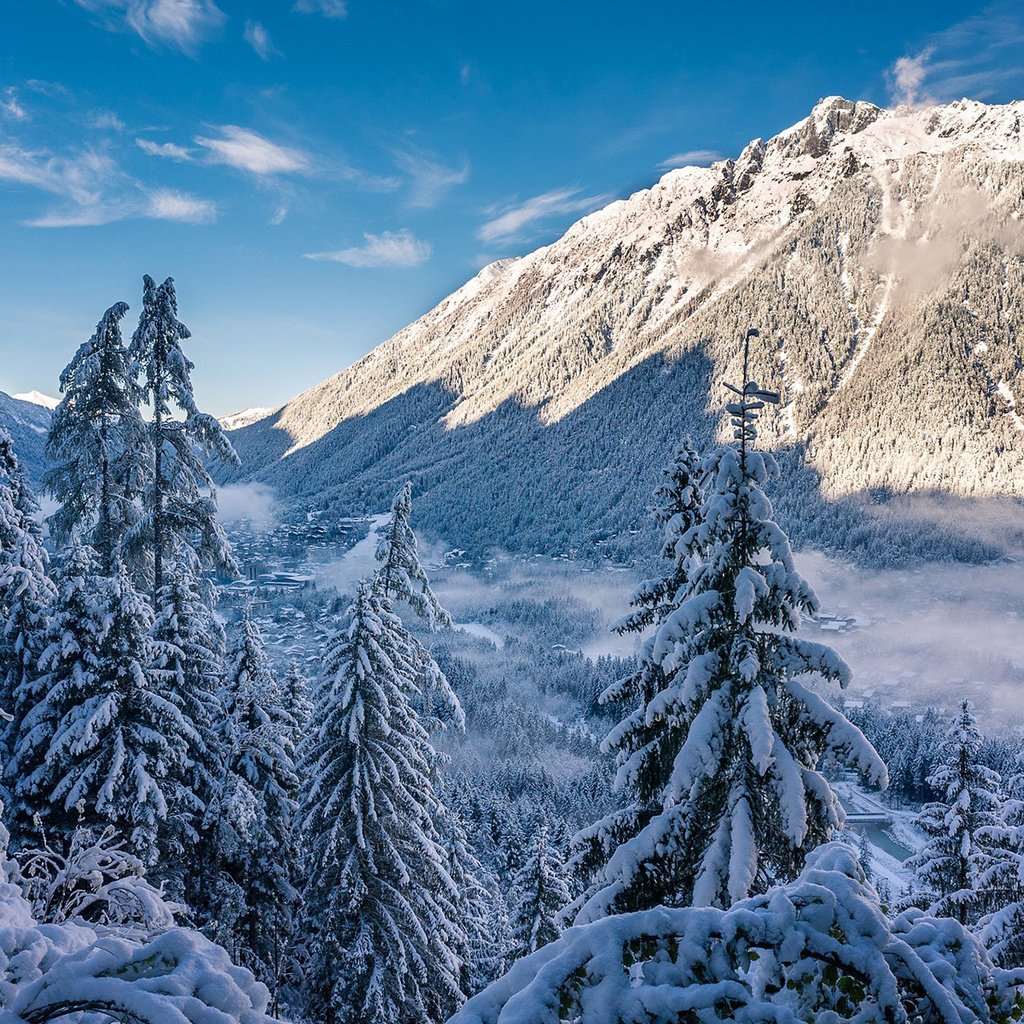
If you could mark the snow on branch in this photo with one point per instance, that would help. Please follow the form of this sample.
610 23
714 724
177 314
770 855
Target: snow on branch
820 948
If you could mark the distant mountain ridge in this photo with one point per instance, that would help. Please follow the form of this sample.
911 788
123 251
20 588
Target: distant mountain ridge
28 423
879 251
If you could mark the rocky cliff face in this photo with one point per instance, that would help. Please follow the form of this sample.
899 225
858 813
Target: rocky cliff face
880 254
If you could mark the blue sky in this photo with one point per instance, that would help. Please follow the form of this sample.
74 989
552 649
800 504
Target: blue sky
317 173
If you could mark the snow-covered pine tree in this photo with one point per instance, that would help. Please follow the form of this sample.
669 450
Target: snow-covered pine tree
252 815
728 749
381 907
180 504
540 895
479 912
119 744
26 593
296 696
401 576
97 445
958 854
67 670
1002 930
191 678
677 509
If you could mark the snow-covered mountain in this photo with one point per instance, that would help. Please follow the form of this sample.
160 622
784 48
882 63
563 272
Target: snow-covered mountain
38 398
878 251
28 423
242 418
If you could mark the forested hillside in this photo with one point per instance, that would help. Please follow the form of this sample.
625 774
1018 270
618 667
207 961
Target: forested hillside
877 251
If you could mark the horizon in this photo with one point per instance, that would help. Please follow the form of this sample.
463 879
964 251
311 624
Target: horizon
317 176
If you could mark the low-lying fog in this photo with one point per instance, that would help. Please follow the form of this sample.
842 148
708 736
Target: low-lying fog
928 635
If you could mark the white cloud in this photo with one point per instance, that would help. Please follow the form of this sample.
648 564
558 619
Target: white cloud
906 77
10 107
690 158
259 39
181 24
107 120
328 8
248 151
389 249
513 219
82 178
431 179
169 204
95 190
167 150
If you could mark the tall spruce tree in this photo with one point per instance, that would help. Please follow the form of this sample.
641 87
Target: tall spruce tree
727 750
67 669
180 503
401 576
677 508
191 676
958 855
380 903
1002 929
97 446
540 896
253 814
119 743
26 593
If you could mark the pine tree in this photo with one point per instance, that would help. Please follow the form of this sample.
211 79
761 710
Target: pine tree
67 669
401 576
119 744
191 675
253 814
1002 930
97 445
296 697
958 854
677 509
26 593
380 904
180 502
541 894
479 909
720 764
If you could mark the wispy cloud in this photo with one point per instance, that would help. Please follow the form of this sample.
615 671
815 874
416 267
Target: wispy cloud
259 39
167 150
976 57
169 204
95 190
906 79
430 179
328 8
179 24
248 151
107 121
514 219
690 158
10 105
389 249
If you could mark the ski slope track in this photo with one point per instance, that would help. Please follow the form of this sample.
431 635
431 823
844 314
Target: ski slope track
875 250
